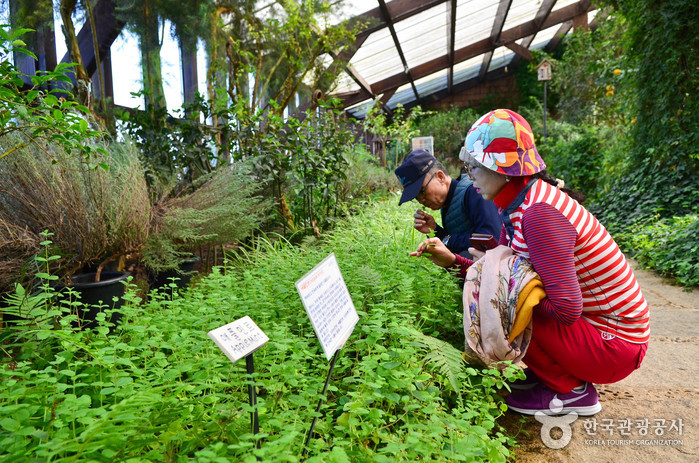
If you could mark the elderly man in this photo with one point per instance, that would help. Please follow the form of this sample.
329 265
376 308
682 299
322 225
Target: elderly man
464 211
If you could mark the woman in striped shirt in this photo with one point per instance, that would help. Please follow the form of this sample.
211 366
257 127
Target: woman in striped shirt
592 326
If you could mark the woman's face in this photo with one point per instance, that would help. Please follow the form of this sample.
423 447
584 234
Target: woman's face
486 182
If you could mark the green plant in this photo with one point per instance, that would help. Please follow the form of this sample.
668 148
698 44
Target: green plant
670 246
175 148
592 79
96 215
157 389
449 130
317 147
222 208
42 114
363 178
399 128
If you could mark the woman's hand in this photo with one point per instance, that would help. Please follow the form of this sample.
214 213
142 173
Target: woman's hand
434 249
476 253
423 222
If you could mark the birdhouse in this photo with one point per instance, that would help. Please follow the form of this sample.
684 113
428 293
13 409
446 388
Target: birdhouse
544 70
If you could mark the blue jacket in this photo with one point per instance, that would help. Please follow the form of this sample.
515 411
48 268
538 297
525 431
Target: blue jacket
465 212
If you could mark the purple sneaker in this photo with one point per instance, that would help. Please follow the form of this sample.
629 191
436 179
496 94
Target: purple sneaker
544 400
527 383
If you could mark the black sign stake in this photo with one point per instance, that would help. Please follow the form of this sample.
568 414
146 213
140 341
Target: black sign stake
320 402
254 422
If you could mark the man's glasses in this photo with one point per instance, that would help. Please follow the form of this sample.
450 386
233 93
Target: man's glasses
424 187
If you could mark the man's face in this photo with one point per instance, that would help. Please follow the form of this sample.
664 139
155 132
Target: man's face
434 190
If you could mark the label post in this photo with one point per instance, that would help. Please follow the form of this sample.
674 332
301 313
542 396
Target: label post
332 313
239 339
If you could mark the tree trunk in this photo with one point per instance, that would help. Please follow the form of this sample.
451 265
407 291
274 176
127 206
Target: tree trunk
150 57
82 85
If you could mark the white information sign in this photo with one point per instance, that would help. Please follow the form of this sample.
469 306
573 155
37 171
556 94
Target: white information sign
426 143
239 338
328 304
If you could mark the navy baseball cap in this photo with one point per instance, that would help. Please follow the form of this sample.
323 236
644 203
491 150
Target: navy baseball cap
412 173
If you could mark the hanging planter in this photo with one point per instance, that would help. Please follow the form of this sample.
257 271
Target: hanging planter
98 294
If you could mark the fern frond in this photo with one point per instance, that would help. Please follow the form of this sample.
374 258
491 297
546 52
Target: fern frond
443 357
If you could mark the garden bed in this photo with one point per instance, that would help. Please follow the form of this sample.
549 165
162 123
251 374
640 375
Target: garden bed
157 388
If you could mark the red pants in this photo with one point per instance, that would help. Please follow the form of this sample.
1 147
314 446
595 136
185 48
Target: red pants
563 357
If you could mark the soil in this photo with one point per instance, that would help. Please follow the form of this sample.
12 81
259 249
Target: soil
664 388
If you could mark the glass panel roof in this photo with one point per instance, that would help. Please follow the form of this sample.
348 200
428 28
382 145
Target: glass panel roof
474 21
501 56
520 12
562 4
423 39
468 69
378 57
542 38
424 36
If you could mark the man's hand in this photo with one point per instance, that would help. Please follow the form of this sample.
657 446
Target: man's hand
423 222
434 249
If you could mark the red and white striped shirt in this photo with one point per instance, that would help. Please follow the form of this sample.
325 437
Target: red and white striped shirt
583 270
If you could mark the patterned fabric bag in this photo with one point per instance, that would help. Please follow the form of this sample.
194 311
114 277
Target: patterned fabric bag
500 292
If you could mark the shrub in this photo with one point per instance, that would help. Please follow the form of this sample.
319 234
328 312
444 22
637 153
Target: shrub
94 214
364 178
39 111
221 208
449 130
670 246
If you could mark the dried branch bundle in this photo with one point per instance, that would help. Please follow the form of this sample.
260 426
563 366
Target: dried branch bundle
94 214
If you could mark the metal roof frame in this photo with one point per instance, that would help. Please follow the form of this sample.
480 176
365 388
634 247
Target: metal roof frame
518 38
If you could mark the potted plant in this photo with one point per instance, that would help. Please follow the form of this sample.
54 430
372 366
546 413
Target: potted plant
220 208
97 216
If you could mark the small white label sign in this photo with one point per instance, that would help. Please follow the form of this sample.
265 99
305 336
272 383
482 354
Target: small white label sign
544 71
239 338
328 304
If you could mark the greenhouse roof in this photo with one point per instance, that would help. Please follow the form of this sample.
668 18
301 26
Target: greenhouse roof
413 51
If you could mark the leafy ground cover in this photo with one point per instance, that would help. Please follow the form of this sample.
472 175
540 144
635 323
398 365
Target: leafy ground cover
157 389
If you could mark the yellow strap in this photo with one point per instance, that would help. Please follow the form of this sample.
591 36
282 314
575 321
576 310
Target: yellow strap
529 297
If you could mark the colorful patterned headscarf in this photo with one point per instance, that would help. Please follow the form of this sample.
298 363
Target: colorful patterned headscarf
503 141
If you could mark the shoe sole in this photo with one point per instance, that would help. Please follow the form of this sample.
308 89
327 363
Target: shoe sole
581 411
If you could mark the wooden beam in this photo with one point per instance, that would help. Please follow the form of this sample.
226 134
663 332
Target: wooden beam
190 77
398 10
558 36
520 50
108 29
463 86
541 15
451 36
477 48
498 23
387 96
396 42
108 79
580 22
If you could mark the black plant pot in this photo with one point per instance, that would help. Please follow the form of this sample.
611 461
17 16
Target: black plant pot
183 274
92 292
